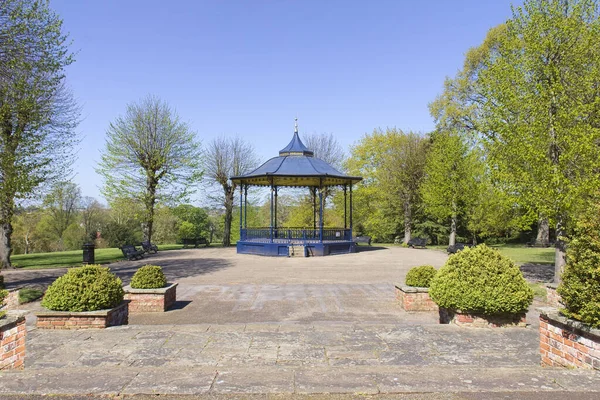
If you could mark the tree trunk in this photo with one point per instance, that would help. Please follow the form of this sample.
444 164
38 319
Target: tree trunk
151 183
543 232
560 251
407 222
229 191
452 239
5 246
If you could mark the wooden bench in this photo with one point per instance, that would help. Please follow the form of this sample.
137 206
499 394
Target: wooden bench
131 253
149 247
417 242
456 247
194 242
362 239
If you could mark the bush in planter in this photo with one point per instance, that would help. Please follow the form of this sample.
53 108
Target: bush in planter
87 288
580 286
420 276
148 277
480 280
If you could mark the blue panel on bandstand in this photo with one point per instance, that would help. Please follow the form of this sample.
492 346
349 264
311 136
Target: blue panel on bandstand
282 249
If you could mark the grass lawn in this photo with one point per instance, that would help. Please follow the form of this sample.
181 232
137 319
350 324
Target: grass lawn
73 258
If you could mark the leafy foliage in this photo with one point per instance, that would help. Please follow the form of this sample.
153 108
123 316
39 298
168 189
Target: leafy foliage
151 156
452 175
224 158
194 221
392 166
86 288
580 286
420 276
149 277
119 235
38 113
481 280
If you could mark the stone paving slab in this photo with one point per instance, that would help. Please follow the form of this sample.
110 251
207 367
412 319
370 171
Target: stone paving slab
357 380
319 345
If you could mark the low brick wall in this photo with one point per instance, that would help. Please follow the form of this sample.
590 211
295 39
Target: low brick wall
413 298
84 320
552 297
151 300
481 321
12 342
12 300
567 343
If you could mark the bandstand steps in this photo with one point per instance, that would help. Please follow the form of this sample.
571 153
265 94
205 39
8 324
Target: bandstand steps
297 250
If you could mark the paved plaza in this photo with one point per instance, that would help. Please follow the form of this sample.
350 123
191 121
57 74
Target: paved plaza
255 326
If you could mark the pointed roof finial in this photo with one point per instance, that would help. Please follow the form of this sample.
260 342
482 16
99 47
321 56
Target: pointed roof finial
296 125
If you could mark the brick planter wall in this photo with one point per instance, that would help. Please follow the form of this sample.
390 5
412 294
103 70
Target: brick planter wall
413 298
12 300
83 320
151 300
481 321
12 341
567 343
552 297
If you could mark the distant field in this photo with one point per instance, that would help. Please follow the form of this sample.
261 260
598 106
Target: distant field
520 254
73 258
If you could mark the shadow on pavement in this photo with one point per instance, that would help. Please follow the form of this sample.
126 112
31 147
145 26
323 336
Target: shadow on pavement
179 305
538 272
360 249
174 270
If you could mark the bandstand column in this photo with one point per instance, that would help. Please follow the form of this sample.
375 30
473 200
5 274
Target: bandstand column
321 214
271 235
351 211
275 213
313 191
241 208
345 207
245 206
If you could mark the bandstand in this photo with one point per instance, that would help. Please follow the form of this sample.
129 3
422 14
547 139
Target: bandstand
296 166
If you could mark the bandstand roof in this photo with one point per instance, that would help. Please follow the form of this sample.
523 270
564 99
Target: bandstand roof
295 166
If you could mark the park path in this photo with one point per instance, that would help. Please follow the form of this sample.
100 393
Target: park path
254 325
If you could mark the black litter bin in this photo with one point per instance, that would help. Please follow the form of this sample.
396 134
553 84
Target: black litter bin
88 253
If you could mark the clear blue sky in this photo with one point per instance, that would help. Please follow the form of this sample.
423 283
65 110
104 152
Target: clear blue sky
249 67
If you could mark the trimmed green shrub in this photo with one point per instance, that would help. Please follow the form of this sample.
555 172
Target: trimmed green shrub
420 276
86 288
580 286
480 280
148 277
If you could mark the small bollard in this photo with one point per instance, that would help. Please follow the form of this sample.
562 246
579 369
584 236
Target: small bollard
88 253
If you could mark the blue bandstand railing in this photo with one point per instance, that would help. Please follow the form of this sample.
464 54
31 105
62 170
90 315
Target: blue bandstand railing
295 235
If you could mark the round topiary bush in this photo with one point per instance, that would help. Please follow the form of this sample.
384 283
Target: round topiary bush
420 276
86 288
480 280
580 286
148 277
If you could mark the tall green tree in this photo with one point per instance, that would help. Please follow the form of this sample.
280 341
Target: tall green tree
392 164
451 183
224 158
539 111
37 113
62 205
150 156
